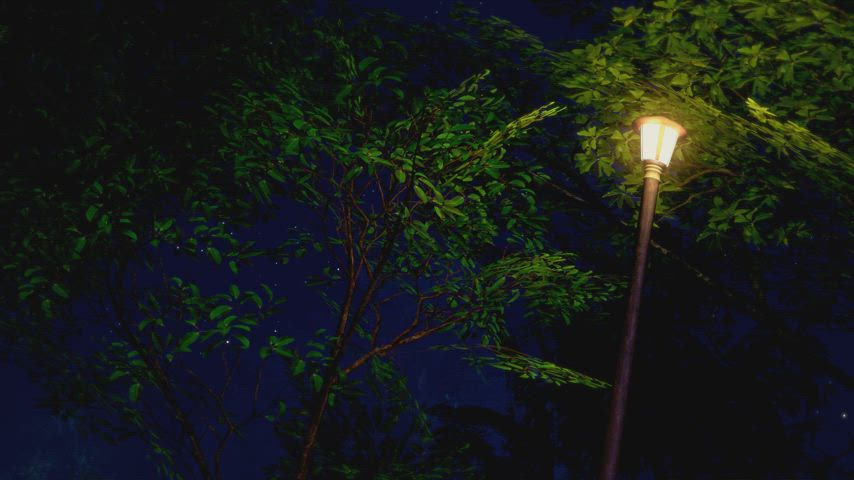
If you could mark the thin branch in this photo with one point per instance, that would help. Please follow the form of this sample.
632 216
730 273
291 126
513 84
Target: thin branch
226 421
351 272
161 379
692 197
705 172
376 330
401 341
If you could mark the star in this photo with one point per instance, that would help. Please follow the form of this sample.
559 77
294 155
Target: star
844 415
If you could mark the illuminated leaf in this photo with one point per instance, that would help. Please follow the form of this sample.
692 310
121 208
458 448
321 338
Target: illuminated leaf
218 311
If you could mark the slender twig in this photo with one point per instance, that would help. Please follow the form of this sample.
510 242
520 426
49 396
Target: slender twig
403 340
159 375
692 197
697 175
231 428
377 324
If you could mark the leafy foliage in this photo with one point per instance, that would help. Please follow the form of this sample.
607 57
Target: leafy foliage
432 199
404 182
708 65
410 192
527 367
747 251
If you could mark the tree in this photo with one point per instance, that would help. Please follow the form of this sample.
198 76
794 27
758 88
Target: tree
410 187
752 225
444 195
437 166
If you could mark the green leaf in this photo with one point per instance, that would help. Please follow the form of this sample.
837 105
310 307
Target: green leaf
75 164
243 341
57 289
299 367
454 202
439 212
162 227
218 311
90 212
353 173
149 321
233 266
187 340
256 299
130 234
133 392
215 255
680 80
316 381
421 194
268 290
275 175
366 62
343 93
79 244
497 284
281 342
292 146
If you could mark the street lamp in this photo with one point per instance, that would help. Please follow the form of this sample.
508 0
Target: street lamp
658 140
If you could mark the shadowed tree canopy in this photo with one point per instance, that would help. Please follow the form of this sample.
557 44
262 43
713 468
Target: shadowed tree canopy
242 219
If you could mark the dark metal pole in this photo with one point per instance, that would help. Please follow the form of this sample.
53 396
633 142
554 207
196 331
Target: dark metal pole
624 365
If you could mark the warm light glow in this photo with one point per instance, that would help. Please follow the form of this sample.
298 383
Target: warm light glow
649 140
658 138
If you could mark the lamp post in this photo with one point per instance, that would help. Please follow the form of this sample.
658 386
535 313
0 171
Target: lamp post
658 140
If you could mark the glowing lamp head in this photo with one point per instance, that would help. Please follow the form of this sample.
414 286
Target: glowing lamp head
658 138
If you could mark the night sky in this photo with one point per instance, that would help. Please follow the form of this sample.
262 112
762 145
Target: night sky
37 445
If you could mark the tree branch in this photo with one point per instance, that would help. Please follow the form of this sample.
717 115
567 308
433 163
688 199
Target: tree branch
160 378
